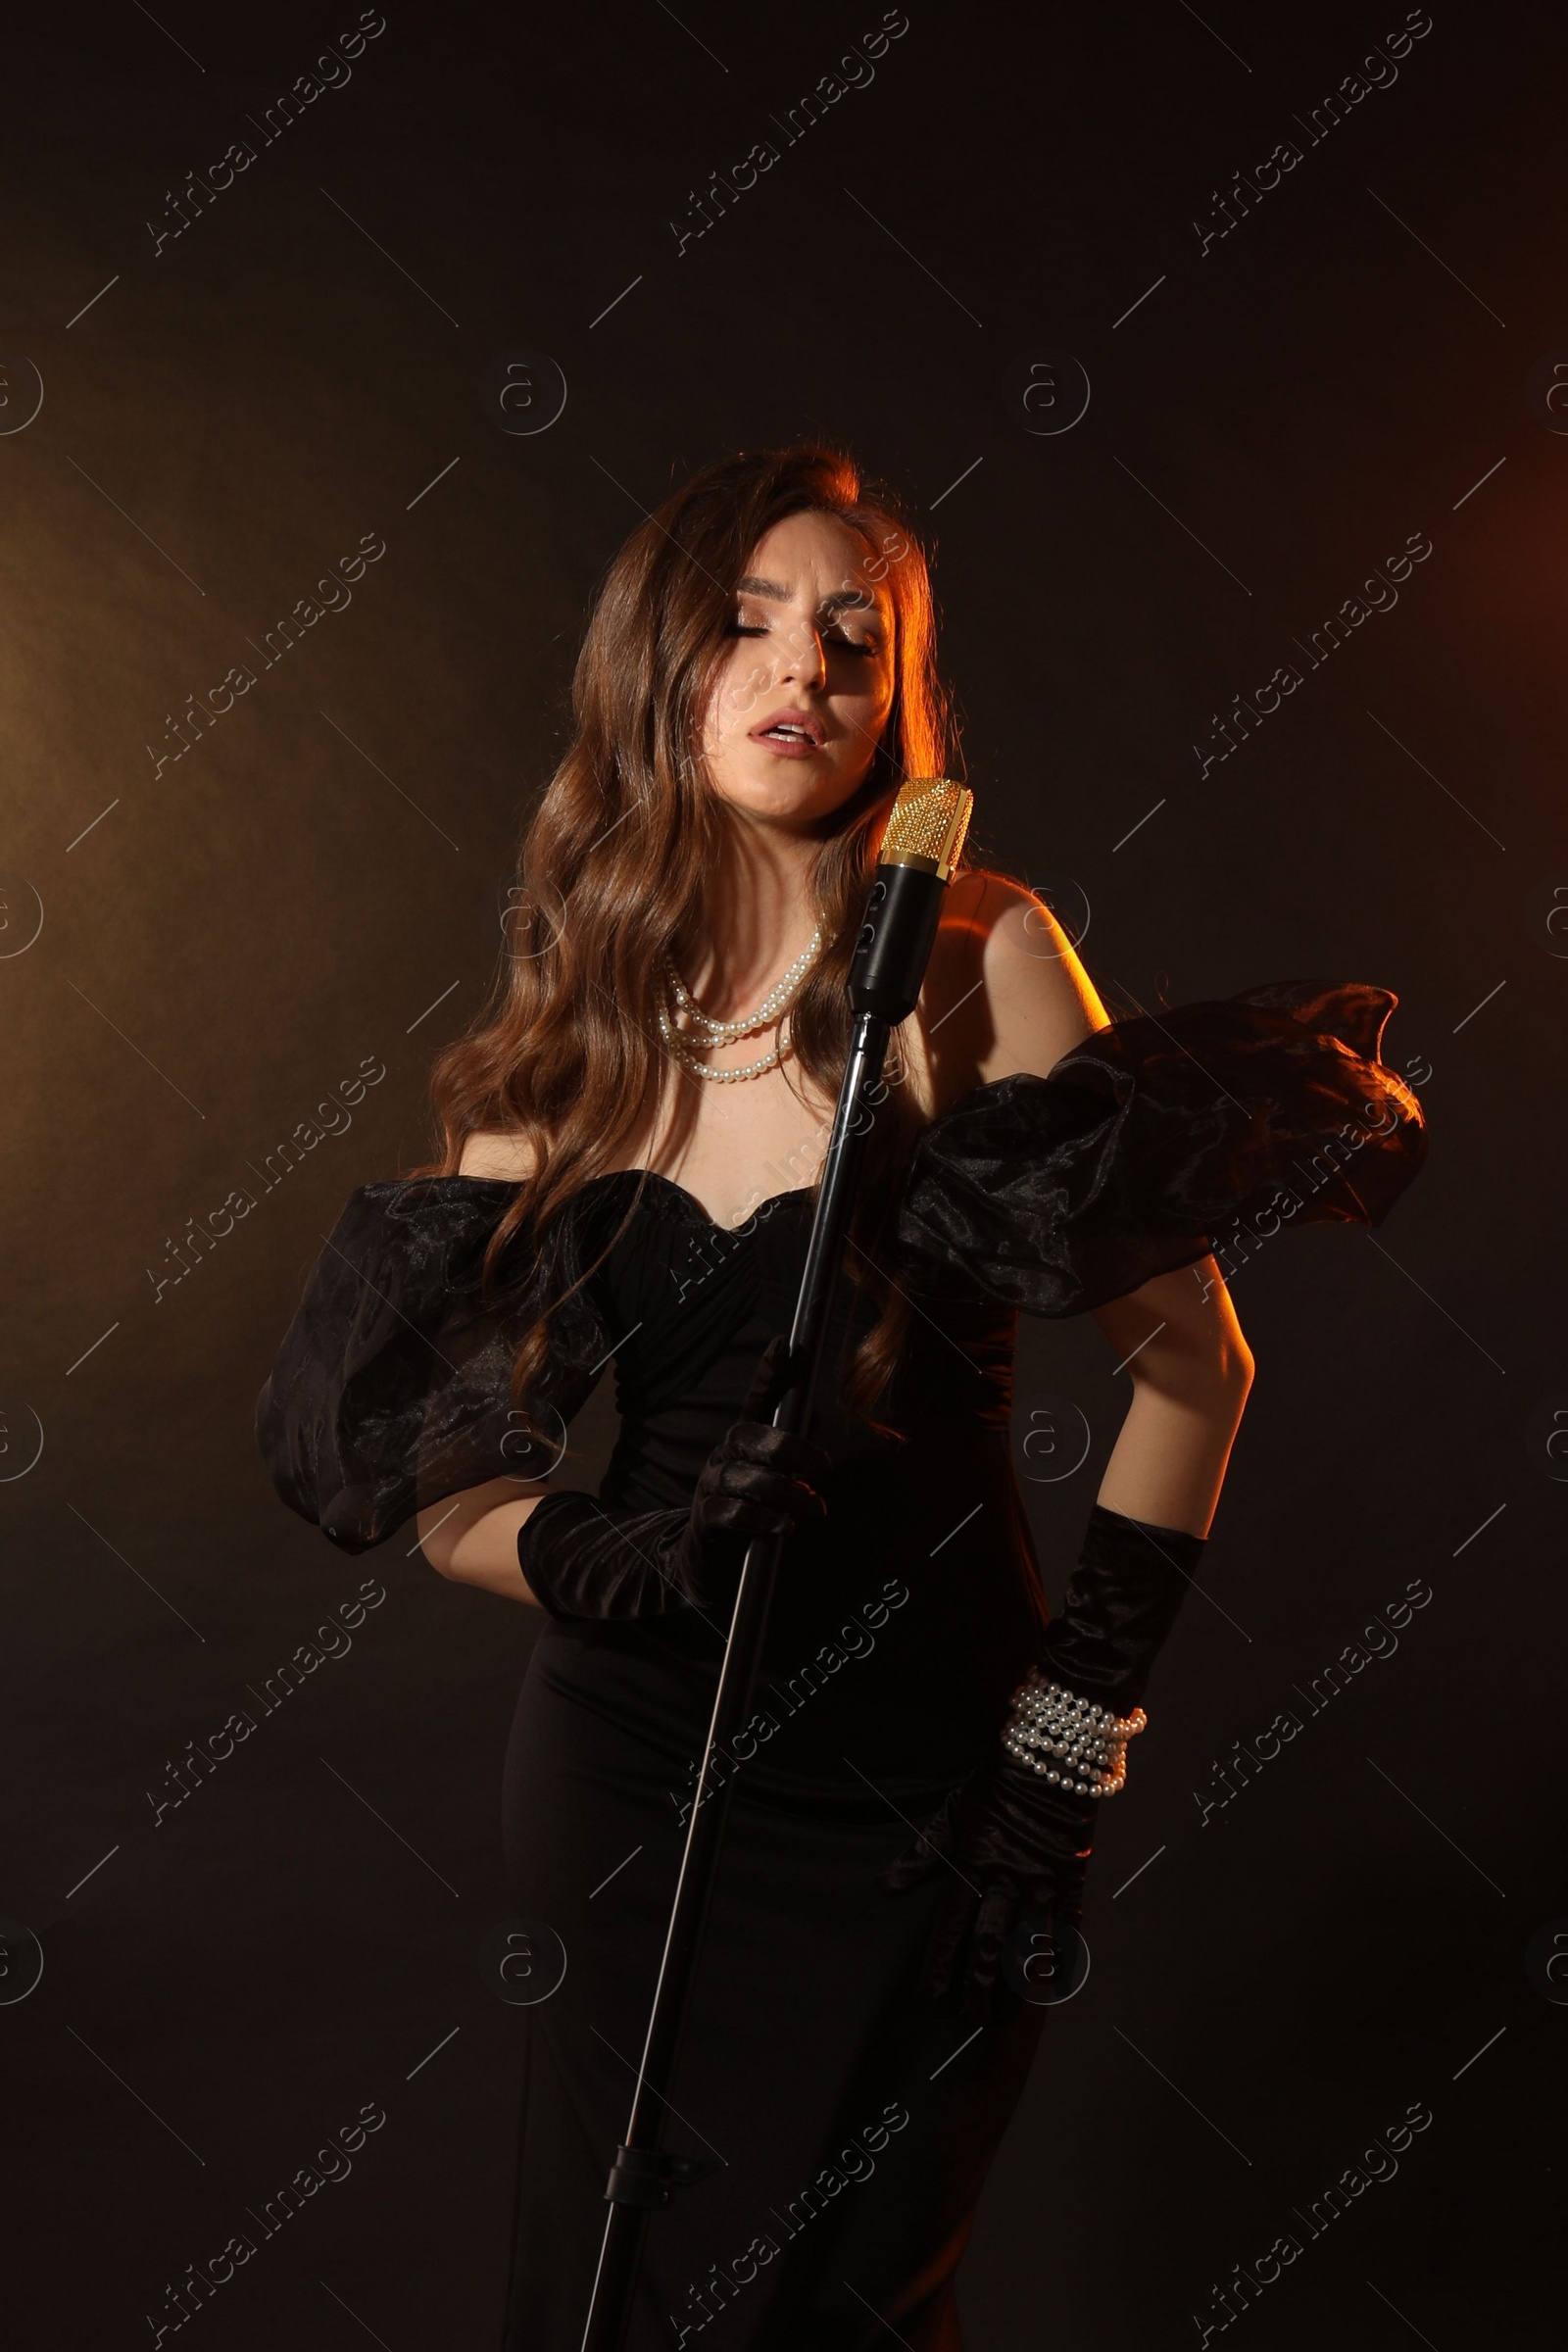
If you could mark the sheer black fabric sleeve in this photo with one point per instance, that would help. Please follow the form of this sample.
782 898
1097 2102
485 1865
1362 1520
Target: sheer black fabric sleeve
392 1388
1158 1140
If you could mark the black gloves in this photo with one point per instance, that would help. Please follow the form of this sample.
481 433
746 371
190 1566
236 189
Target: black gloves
581 1559
1016 1844
1120 1603
1016 1849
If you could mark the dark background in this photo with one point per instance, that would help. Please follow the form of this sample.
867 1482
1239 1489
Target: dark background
225 416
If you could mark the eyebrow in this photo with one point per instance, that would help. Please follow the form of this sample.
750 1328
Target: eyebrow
847 600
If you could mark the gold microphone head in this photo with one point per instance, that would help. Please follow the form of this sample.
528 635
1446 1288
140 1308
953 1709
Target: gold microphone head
927 826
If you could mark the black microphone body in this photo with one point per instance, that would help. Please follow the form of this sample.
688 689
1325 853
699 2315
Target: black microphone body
895 944
919 850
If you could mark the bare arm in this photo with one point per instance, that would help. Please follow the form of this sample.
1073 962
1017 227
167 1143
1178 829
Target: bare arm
1007 993
1190 1370
471 1538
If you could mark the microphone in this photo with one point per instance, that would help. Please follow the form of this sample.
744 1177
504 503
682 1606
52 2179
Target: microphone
920 848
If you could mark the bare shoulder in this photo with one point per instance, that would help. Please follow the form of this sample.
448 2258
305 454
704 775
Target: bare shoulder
508 1158
1004 991
1004 915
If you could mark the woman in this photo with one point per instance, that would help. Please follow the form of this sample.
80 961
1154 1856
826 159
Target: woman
629 1143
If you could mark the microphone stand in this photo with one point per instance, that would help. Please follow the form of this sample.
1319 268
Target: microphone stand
919 850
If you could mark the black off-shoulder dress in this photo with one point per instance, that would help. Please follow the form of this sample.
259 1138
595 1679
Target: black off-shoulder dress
846 2123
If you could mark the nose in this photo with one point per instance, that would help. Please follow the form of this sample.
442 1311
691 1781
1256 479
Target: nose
804 659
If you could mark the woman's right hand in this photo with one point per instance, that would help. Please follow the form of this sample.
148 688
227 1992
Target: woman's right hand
758 1479
584 1560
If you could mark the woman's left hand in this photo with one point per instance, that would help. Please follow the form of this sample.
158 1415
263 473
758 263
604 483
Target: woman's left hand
1015 1850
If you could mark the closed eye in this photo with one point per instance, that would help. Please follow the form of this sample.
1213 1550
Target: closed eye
865 646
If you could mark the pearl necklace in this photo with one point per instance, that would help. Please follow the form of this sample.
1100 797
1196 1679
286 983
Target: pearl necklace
690 1057
776 1007
783 991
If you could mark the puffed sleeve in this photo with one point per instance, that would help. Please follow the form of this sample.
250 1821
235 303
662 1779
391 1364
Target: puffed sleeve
392 1386
1157 1140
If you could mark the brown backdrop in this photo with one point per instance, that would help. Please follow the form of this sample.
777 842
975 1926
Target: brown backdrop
1310 272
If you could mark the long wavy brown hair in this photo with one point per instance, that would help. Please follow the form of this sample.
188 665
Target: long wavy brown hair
567 1056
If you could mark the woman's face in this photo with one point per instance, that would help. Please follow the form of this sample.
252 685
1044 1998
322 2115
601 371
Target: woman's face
804 689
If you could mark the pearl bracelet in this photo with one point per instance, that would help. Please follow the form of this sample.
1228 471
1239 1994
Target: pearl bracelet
1089 1741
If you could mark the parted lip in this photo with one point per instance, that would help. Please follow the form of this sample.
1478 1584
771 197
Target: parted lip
806 720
